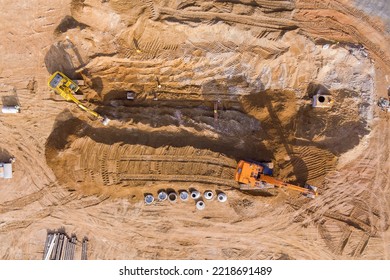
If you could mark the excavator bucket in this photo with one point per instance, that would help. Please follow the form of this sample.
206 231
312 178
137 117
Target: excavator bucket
105 121
313 191
310 195
310 187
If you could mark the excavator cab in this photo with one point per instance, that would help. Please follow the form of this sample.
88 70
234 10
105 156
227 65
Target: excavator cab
55 81
62 85
248 171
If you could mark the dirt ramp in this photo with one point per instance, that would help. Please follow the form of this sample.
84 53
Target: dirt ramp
308 164
82 155
135 165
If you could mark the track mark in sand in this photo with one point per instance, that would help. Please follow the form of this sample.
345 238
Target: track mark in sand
83 203
235 253
355 223
218 47
260 21
361 245
378 205
181 179
26 222
340 231
343 30
242 206
336 5
343 241
223 7
310 164
19 203
127 164
326 236
167 158
364 188
177 169
152 49
153 9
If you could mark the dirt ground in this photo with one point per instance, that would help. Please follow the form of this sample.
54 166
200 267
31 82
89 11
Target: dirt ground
258 63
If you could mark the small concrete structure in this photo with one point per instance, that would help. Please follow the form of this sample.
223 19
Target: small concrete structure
208 195
6 170
172 197
322 101
10 109
384 104
149 199
130 95
162 196
222 197
195 194
184 195
200 205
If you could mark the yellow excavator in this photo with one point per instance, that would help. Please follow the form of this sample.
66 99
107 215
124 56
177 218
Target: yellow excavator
253 175
65 87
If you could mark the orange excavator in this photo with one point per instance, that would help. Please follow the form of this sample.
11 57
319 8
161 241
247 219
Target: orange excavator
258 176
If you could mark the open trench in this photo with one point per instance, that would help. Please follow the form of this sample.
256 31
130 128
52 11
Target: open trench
183 142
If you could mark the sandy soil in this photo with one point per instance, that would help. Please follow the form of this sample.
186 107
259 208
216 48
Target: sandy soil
259 62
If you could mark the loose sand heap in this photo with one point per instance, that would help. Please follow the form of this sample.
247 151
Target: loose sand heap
258 64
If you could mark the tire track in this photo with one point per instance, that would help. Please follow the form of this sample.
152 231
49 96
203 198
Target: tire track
344 30
380 194
26 222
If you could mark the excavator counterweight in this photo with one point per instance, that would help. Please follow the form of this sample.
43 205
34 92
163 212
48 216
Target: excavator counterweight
65 87
258 176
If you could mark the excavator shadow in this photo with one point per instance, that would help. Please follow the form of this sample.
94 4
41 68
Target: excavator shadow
4 155
59 58
299 167
10 100
67 125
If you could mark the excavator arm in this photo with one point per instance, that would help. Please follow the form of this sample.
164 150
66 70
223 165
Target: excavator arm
307 190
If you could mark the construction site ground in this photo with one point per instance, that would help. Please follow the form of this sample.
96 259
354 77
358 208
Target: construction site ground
258 63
